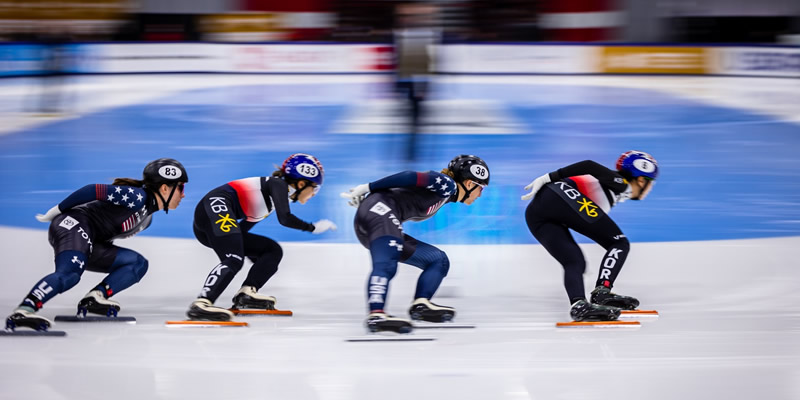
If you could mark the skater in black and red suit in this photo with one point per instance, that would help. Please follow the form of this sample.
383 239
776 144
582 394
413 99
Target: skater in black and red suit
579 197
223 219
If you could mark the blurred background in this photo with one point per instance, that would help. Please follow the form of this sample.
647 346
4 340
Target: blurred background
645 21
91 90
374 87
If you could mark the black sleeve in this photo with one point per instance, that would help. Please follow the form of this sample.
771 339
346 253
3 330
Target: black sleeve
279 192
607 177
246 225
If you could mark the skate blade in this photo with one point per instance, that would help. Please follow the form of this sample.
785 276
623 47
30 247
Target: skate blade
441 325
599 324
205 324
26 332
247 311
390 337
632 314
75 318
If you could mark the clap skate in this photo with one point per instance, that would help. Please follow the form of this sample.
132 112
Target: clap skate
28 319
603 296
248 298
423 310
380 322
203 310
584 311
249 302
94 302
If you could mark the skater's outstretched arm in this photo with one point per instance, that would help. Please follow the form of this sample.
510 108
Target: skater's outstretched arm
114 194
278 188
437 182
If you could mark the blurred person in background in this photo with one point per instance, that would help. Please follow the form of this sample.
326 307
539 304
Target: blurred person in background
579 197
54 39
415 41
223 219
383 206
82 230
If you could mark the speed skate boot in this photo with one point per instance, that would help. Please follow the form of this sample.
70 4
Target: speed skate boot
422 309
582 310
602 295
380 322
28 319
203 310
95 303
248 297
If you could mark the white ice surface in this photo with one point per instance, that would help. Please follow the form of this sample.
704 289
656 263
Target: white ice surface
728 329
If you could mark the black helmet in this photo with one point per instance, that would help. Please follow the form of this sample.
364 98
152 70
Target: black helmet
469 167
163 170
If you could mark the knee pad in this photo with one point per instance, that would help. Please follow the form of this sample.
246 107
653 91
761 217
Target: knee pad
278 253
623 244
68 281
140 268
439 262
233 261
445 264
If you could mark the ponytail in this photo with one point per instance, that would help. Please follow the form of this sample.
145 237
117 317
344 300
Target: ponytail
449 173
128 182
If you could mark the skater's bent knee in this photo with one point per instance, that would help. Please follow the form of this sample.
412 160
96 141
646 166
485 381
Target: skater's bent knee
140 268
68 280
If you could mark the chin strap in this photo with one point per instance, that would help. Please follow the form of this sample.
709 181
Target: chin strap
467 192
642 190
295 193
166 202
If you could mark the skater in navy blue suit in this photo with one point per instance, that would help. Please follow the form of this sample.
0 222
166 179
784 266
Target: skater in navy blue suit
82 229
410 196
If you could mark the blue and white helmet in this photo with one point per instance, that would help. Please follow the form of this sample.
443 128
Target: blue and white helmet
638 163
304 166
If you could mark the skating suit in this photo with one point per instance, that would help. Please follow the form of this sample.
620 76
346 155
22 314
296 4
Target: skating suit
95 215
578 198
419 196
238 205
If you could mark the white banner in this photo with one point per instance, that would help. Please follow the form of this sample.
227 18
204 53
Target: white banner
515 59
756 61
233 58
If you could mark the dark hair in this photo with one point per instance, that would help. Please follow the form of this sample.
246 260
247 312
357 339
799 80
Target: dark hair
128 182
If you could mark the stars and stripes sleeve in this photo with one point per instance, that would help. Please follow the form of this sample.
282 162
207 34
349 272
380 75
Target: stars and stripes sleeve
437 182
126 196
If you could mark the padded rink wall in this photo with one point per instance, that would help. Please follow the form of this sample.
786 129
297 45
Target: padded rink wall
285 58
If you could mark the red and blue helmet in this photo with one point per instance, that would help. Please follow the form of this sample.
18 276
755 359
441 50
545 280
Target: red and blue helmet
637 163
303 166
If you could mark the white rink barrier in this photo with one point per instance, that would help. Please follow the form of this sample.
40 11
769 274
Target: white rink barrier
295 58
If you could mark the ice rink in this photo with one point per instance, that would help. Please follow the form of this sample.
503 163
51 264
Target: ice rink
714 246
